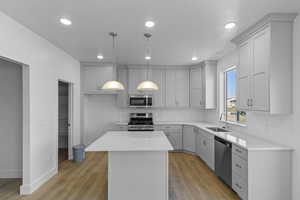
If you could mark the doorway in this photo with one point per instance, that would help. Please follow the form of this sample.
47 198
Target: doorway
11 126
64 122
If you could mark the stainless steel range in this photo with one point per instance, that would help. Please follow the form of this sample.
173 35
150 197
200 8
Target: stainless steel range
140 122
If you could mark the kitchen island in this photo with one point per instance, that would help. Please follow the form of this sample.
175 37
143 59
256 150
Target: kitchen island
137 164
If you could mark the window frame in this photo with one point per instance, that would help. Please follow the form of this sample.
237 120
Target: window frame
225 93
224 99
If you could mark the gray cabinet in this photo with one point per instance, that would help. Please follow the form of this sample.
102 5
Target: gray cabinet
173 133
205 148
121 127
158 77
189 139
265 65
240 171
122 98
135 77
177 88
203 85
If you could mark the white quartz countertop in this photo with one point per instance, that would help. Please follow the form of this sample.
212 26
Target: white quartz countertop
131 141
246 141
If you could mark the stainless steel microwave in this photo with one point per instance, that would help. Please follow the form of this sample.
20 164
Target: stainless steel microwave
142 101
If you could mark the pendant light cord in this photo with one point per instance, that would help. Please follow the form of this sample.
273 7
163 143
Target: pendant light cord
148 61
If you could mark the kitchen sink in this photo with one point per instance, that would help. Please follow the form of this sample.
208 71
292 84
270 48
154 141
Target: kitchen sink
217 129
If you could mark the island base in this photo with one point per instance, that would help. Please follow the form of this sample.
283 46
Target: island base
136 175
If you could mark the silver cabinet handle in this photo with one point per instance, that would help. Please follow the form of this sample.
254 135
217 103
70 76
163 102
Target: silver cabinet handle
237 150
237 185
239 166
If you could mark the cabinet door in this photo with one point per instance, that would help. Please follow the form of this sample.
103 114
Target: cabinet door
175 140
182 88
171 88
210 151
206 149
196 87
199 148
158 77
196 96
189 139
196 78
244 75
259 84
136 76
94 77
122 99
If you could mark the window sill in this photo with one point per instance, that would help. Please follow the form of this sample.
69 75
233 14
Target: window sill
234 123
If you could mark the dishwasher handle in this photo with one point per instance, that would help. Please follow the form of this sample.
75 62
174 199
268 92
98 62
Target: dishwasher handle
226 143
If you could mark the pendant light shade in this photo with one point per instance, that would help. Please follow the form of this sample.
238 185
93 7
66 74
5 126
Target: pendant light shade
147 86
113 85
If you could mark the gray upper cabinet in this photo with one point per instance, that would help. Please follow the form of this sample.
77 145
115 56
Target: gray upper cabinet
177 88
203 85
122 98
158 77
135 77
265 65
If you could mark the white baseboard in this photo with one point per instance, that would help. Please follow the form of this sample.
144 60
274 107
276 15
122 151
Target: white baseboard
11 173
27 189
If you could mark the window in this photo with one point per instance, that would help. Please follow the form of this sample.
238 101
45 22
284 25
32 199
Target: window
231 113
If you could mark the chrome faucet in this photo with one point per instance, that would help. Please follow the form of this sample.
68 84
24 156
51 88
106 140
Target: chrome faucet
221 116
226 124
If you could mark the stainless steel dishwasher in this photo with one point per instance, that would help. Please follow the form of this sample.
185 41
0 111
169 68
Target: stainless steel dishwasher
223 164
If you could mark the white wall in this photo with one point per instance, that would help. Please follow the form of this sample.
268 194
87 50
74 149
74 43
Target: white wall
47 64
101 113
282 129
10 120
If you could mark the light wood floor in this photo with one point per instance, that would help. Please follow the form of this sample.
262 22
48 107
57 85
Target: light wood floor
190 179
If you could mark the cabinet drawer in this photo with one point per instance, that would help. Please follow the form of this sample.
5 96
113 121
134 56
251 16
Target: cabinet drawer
240 186
122 128
240 152
169 128
240 166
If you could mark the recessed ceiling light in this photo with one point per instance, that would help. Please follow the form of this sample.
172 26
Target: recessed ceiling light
194 58
148 57
230 25
149 24
100 57
65 21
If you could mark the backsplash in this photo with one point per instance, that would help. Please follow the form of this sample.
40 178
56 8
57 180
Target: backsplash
101 113
167 114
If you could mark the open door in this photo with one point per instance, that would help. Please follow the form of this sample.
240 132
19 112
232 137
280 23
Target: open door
11 127
65 104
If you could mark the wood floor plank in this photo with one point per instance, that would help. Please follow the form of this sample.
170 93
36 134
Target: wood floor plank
190 179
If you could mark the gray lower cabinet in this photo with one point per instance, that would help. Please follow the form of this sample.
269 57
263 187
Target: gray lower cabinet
120 127
240 171
205 147
189 139
173 133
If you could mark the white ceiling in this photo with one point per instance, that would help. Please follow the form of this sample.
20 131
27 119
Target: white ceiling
184 28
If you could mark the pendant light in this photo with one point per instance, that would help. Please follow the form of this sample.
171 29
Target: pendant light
147 85
113 84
